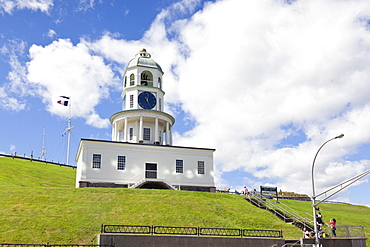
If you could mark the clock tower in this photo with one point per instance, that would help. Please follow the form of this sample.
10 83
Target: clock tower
142 119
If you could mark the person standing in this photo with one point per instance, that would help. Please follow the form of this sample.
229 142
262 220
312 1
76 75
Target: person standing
245 191
333 227
319 220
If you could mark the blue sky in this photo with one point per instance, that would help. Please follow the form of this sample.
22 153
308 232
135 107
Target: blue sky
265 83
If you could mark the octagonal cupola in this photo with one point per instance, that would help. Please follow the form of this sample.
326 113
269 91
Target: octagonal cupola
144 59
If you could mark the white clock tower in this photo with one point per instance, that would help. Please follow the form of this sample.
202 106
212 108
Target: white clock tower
142 119
141 153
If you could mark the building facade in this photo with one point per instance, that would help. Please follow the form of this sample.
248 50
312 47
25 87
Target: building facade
141 154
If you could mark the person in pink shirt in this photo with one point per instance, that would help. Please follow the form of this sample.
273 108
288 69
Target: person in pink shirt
333 227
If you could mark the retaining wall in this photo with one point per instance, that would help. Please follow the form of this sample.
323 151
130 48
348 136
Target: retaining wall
184 241
337 242
124 240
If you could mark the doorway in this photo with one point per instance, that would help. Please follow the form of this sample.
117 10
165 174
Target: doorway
151 170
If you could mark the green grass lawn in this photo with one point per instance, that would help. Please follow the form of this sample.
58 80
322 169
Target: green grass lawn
39 204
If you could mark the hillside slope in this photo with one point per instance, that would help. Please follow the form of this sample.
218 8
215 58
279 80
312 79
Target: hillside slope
39 204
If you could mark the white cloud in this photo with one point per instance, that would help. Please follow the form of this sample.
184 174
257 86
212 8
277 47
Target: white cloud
64 69
59 68
51 33
85 5
10 103
10 92
9 6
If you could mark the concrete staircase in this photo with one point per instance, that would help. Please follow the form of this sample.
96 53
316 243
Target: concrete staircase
143 181
283 212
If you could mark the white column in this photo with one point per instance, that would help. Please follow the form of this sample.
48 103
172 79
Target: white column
141 129
113 130
167 133
136 132
117 132
171 135
125 131
156 136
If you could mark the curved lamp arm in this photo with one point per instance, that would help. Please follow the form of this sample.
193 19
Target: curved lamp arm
313 163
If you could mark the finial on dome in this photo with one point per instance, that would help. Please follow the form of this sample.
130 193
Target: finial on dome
143 53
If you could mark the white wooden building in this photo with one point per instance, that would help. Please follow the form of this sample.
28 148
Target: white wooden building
141 154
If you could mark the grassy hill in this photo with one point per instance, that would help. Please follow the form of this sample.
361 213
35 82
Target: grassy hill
39 204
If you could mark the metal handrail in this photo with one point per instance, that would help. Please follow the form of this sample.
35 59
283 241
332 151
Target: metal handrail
142 177
286 210
291 212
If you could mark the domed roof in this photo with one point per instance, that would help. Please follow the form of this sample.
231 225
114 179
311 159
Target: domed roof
143 59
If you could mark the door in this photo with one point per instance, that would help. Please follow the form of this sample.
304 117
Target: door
151 170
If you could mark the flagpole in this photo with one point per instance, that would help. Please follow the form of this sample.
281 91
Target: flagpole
43 146
67 102
69 129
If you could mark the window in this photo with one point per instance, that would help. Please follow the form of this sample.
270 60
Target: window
121 162
96 162
160 104
132 79
125 81
131 101
147 79
159 82
200 167
179 166
146 136
131 133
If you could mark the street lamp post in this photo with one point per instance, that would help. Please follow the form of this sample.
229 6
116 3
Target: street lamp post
316 233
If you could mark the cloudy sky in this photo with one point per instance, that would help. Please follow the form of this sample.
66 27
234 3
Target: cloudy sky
264 82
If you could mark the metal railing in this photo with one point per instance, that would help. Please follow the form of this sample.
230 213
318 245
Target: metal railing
284 212
173 230
192 231
291 213
227 232
126 229
298 245
347 231
262 233
53 245
148 175
37 160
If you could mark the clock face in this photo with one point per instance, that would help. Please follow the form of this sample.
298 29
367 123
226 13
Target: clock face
147 100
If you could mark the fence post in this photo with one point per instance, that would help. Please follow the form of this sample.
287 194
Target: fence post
348 231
